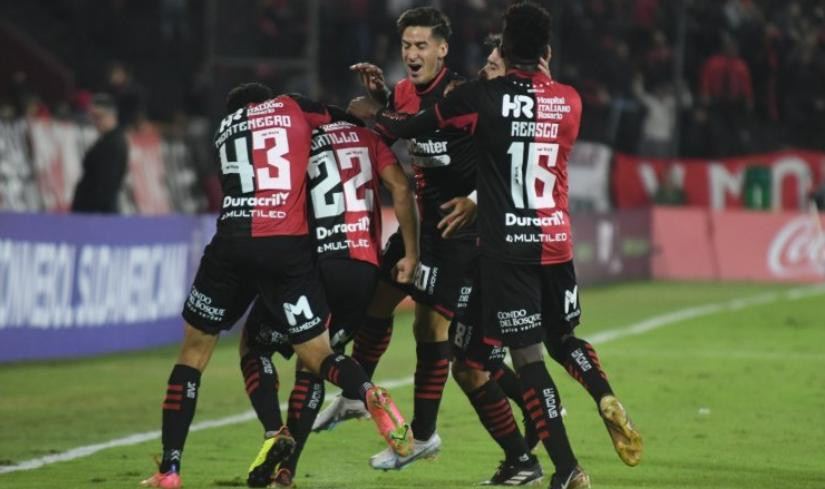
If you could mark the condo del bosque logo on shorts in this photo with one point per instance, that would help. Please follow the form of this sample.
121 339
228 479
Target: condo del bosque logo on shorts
518 320
798 249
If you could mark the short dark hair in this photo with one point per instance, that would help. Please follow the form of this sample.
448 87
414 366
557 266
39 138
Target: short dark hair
493 41
425 17
104 101
245 94
526 33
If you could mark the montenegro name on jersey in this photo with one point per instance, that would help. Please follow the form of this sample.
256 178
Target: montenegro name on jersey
524 124
264 151
344 171
444 160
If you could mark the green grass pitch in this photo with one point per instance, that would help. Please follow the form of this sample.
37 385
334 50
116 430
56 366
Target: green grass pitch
733 398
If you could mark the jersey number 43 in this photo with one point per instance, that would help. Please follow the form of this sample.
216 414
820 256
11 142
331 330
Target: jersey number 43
269 145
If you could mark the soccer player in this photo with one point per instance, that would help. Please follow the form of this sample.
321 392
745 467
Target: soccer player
262 247
345 166
444 164
525 124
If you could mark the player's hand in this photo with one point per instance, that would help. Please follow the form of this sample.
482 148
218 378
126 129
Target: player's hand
452 85
544 66
404 269
372 79
462 213
363 107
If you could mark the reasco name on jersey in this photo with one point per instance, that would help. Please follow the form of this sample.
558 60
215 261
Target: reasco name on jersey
534 129
328 139
273 200
362 224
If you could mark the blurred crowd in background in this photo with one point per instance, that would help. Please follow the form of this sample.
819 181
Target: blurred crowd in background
658 78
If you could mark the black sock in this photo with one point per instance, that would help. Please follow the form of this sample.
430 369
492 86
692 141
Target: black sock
541 398
582 363
511 385
431 372
346 373
304 403
178 411
495 414
371 341
261 380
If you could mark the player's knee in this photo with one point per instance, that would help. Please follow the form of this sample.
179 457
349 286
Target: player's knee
196 348
384 301
468 378
430 326
526 355
312 353
555 347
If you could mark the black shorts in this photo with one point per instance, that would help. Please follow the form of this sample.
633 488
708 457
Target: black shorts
348 285
279 269
524 302
440 273
467 338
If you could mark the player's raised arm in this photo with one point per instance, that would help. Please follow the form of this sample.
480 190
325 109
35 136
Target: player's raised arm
403 203
372 79
318 114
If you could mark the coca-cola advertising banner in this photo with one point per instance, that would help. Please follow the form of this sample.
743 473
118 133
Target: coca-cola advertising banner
738 245
781 180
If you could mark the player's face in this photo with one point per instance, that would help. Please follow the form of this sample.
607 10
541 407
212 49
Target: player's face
495 65
422 53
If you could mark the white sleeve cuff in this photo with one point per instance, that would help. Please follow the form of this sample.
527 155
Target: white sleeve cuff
473 196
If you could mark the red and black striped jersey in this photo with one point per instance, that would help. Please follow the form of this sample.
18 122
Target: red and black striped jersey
524 125
443 159
344 171
264 151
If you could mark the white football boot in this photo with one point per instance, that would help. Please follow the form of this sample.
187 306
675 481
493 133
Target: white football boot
341 409
389 460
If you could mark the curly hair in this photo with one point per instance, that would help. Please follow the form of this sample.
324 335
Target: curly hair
526 32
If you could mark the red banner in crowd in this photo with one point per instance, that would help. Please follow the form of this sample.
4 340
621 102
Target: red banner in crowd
738 245
147 173
789 178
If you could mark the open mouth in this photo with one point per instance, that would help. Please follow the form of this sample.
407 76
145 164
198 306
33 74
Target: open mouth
414 67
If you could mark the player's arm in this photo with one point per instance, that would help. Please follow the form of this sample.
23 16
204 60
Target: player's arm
456 110
403 203
318 114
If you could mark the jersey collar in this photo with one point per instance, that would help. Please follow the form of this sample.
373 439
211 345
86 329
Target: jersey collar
528 74
431 86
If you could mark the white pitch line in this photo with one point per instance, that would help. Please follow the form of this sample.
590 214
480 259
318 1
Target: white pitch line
641 327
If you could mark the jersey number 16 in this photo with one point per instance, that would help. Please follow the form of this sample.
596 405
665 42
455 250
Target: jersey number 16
524 180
